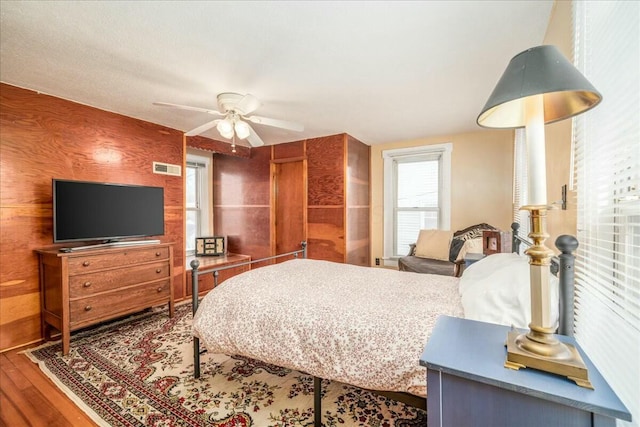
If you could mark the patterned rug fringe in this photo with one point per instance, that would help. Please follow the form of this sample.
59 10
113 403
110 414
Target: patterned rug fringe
62 386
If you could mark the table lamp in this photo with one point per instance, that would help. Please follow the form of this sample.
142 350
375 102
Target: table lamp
539 86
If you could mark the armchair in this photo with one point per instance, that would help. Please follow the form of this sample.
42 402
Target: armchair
442 252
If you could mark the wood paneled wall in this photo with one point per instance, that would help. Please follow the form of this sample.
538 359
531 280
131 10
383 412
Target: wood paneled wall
290 150
338 208
43 137
326 198
241 202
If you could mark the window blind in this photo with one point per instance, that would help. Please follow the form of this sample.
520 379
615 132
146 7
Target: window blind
193 212
417 198
607 179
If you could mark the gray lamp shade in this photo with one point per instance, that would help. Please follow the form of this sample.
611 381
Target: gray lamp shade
541 70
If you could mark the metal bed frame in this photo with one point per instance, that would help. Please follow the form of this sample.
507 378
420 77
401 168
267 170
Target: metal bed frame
195 300
562 266
195 264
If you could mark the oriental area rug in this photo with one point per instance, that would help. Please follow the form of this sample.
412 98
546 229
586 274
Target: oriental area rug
139 372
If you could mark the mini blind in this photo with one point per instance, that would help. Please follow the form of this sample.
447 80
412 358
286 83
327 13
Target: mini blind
607 179
417 202
197 215
193 211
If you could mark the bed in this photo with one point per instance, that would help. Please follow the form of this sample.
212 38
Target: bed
358 325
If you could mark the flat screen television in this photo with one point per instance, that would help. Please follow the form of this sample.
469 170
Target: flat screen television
96 211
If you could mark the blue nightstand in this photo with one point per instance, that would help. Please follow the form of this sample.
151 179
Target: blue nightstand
468 384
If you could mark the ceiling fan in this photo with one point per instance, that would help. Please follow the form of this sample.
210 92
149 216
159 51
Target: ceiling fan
234 108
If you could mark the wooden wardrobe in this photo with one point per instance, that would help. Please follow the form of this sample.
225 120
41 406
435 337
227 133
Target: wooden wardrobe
315 190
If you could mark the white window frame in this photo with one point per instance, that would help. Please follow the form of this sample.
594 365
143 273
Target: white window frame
389 158
203 197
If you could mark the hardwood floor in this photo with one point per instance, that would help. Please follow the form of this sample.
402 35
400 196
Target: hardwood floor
29 398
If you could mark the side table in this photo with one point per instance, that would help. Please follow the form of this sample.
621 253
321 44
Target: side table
468 384
205 281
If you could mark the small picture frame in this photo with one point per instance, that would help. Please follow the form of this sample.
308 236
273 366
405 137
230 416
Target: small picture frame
494 242
210 246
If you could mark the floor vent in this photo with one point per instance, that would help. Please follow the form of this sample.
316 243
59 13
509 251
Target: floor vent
167 169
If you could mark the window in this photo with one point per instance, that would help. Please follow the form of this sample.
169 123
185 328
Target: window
520 184
198 206
607 181
417 195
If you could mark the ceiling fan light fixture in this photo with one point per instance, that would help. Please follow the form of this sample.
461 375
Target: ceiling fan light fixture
225 127
234 122
242 129
227 135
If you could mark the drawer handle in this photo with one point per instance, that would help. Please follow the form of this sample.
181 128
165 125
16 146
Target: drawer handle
160 289
158 254
88 308
86 284
158 270
86 263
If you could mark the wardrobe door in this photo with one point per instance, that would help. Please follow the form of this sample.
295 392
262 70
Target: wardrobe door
290 205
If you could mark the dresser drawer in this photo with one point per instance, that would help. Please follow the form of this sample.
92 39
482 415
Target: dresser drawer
86 311
84 285
87 263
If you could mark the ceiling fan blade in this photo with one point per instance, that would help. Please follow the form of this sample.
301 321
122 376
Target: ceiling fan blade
254 139
275 123
186 107
247 104
202 128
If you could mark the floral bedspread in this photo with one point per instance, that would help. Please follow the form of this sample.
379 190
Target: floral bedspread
357 325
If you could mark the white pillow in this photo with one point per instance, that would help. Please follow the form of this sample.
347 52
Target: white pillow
496 290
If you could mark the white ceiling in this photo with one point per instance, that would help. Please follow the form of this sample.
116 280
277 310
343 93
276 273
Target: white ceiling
380 71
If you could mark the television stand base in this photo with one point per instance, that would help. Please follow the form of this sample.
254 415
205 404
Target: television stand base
110 245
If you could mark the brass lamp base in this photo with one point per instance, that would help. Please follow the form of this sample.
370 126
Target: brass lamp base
541 350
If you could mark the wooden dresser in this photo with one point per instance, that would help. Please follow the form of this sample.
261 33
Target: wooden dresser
79 289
